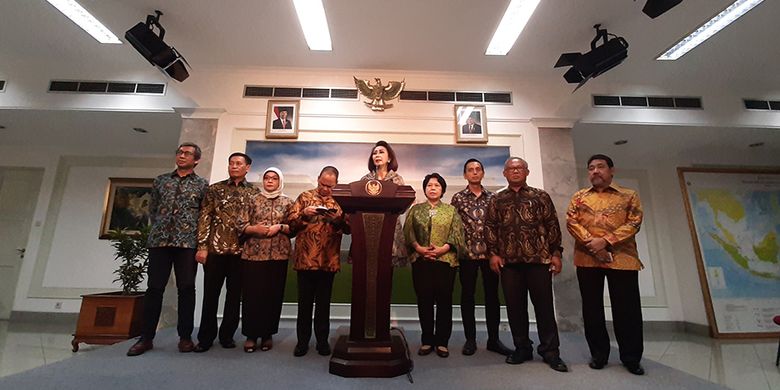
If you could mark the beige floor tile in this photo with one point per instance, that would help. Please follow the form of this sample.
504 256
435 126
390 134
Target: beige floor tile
738 367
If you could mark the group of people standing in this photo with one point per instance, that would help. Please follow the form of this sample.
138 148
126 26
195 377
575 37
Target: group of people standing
241 235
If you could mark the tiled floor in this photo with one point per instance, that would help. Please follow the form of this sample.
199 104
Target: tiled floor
738 364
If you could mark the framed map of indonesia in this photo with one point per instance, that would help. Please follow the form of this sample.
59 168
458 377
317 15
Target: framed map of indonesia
734 217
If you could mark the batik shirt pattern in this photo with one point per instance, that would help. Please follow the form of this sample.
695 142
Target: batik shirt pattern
174 210
217 229
473 210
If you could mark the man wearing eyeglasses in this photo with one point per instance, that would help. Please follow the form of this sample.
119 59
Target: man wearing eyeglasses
524 243
174 211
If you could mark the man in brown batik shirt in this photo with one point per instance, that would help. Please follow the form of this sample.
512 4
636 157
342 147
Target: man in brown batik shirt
524 241
318 223
219 251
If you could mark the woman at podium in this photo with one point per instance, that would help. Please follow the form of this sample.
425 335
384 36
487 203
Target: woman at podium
434 235
383 166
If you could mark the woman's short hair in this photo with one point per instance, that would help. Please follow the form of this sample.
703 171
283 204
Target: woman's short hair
438 178
391 166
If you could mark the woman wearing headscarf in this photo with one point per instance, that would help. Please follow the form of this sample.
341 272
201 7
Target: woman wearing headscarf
383 166
435 238
264 260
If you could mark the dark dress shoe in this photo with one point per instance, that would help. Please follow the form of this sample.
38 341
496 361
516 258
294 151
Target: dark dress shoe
186 346
200 348
442 351
519 356
557 364
140 347
323 348
498 347
635 368
597 364
470 347
300 350
229 344
425 350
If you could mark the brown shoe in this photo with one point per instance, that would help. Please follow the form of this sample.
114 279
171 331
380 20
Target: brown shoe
267 343
140 347
186 345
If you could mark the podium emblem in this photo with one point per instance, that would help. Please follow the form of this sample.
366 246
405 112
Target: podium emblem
374 187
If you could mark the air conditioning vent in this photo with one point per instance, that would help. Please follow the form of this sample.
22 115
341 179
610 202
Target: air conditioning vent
475 97
2 85
498 97
106 87
763 105
256 91
437 96
670 102
266 91
121 87
93 87
414 95
319 93
287 92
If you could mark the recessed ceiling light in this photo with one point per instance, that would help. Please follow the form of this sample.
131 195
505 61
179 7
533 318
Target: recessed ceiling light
756 144
140 130
709 28
512 23
621 142
75 12
311 15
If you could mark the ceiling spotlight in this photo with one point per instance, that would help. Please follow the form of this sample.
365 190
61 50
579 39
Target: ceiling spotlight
654 8
756 144
621 142
595 62
140 130
157 52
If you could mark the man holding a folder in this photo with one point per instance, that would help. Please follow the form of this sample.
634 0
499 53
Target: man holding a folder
604 219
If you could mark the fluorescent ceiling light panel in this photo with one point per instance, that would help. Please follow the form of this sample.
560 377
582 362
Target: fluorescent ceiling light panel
75 12
709 28
515 18
311 15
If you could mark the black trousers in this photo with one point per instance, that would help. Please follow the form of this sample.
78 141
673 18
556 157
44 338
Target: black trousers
469 270
518 280
433 283
314 287
185 267
626 312
219 270
262 294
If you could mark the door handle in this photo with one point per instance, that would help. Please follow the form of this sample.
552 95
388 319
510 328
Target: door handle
21 251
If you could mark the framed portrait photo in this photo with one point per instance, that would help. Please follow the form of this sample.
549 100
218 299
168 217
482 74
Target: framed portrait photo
282 121
126 206
470 124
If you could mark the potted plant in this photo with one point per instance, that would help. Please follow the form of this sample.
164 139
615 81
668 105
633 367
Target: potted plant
108 318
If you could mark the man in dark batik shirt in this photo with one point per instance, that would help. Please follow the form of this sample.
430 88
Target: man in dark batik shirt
174 211
219 251
524 242
472 204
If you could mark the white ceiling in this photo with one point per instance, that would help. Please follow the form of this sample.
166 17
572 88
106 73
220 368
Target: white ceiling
432 35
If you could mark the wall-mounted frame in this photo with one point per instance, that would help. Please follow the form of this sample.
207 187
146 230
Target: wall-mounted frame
470 124
732 215
126 205
282 119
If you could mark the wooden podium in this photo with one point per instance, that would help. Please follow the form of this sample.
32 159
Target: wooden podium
370 350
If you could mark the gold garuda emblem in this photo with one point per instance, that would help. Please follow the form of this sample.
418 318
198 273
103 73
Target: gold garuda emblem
373 187
379 93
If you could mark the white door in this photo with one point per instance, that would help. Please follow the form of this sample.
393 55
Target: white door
18 195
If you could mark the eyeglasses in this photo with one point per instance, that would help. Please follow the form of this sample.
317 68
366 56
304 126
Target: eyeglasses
185 153
516 169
